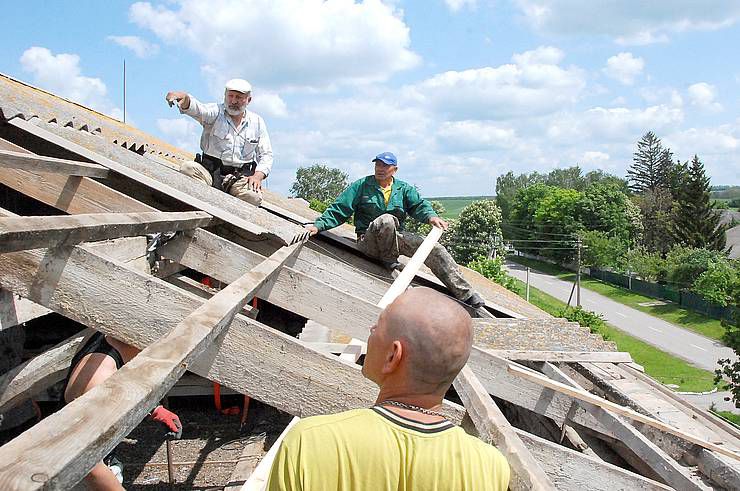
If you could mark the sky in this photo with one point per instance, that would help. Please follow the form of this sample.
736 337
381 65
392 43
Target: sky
462 91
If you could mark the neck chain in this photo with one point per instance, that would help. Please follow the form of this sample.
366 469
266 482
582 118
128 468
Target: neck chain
411 407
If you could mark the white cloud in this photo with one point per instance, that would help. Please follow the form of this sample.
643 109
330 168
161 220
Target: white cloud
629 21
182 132
456 5
661 95
62 75
475 135
533 85
703 96
140 47
282 43
624 67
594 158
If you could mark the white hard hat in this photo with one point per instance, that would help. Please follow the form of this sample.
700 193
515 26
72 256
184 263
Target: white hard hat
239 85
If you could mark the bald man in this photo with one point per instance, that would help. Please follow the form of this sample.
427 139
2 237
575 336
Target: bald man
415 350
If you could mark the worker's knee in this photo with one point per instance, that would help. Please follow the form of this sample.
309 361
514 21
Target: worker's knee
196 171
92 370
241 190
384 224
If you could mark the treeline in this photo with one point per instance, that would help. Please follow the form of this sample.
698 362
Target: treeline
648 223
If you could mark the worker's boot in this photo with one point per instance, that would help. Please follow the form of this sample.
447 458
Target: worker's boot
475 301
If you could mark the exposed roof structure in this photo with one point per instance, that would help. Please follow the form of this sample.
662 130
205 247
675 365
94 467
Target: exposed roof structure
568 410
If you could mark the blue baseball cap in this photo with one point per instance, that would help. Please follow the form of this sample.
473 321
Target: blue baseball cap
387 158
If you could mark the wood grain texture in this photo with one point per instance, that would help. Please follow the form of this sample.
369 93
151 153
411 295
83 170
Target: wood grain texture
493 428
31 377
38 163
33 232
61 449
564 356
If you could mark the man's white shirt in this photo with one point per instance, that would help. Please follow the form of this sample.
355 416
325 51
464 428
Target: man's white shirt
233 145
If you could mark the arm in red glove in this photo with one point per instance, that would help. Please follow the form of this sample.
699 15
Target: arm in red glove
169 419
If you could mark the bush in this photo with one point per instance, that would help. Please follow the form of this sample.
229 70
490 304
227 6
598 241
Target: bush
493 269
647 265
729 373
586 318
734 203
423 229
317 205
719 283
685 264
602 250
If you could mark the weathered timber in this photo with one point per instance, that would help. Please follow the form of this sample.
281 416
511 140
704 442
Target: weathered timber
204 291
248 357
165 180
39 163
20 233
670 471
573 471
582 395
252 453
61 449
16 310
408 273
31 377
564 356
492 427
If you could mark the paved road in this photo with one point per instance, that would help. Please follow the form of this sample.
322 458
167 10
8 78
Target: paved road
694 348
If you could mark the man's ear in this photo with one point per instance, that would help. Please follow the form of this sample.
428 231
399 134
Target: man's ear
393 357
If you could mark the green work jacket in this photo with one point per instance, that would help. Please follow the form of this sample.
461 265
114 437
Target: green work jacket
365 199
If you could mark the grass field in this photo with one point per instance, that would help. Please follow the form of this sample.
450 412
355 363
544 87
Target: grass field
701 324
663 367
454 205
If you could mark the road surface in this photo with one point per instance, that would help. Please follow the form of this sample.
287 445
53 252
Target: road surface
698 350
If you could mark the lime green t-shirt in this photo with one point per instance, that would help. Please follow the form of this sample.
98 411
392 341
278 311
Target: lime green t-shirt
376 449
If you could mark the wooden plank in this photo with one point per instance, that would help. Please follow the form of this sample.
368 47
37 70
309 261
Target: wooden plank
646 451
493 428
258 480
573 471
249 357
167 181
61 449
563 356
16 310
35 375
404 279
39 163
582 395
252 453
203 291
20 233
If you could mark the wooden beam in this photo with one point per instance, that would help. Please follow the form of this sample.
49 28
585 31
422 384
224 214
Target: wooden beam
563 356
16 310
39 163
404 279
582 395
573 471
493 428
249 357
61 449
21 233
35 375
646 451
167 181
252 453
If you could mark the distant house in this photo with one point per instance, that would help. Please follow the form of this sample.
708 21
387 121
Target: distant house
733 234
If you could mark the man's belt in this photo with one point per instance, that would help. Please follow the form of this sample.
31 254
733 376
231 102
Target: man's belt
219 171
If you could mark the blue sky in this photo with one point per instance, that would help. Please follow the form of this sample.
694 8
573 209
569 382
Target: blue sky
461 90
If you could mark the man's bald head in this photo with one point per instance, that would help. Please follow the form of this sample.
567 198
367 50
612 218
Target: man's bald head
436 332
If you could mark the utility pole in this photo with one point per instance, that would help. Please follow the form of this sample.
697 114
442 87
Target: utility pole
578 276
527 283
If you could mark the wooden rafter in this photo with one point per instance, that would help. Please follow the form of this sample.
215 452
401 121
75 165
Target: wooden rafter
39 163
22 233
62 448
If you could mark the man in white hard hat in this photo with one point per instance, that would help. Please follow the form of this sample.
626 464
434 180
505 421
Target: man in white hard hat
237 155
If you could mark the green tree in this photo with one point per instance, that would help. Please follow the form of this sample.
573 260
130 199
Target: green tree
650 266
602 250
719 282
476 232
521 223
599 176
319 182
566 178
605 207
697 222
417 227
508 185
685 264
557 223
656 208
651 165
493 269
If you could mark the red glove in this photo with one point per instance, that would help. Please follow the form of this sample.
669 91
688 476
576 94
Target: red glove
169 419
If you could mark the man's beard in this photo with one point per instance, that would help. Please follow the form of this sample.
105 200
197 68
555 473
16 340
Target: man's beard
234 110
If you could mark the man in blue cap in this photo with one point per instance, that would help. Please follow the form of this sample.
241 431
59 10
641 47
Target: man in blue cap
380 204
